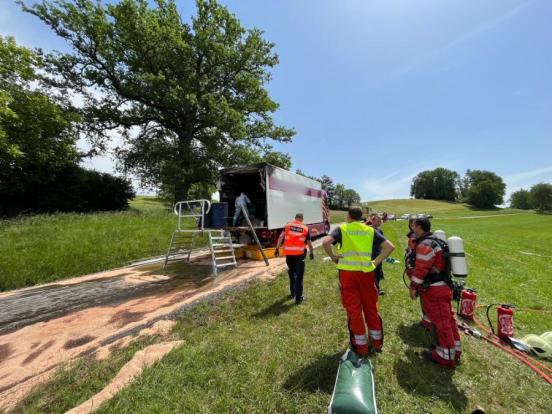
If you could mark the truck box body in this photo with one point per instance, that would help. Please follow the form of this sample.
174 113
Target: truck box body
277 195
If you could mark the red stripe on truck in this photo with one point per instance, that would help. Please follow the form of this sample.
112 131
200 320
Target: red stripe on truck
278 184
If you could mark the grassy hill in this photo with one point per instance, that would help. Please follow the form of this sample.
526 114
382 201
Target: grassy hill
402 206
438 209
433 207
254 351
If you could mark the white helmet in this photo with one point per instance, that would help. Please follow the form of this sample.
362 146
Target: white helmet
540 345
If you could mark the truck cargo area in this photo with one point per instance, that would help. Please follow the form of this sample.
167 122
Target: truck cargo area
251 181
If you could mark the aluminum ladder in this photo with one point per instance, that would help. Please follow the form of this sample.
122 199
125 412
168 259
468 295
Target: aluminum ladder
190 227
222 250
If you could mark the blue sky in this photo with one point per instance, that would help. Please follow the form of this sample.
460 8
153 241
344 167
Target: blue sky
381 90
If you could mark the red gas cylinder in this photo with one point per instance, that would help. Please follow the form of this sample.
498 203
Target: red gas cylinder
505 321
467 303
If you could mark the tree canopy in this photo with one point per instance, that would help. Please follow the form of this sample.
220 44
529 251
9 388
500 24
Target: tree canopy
484 189
541 195
437 184
38 156
182 94
521 199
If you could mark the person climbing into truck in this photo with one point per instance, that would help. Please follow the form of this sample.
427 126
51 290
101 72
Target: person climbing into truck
295 238
355 243
241 201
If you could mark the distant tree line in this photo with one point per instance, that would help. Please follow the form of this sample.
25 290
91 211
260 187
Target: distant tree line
538 197
482 189
479 188
339 196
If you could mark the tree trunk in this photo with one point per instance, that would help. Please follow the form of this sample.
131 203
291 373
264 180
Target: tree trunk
181 188
182 182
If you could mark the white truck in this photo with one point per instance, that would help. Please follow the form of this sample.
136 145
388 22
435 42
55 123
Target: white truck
276 195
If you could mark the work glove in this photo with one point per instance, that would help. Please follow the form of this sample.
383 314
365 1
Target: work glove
311 256
277 252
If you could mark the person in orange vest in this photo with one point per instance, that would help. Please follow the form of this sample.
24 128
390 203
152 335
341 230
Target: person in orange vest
295 238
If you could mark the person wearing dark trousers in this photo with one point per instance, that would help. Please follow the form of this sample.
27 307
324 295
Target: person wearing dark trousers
295 238
375 223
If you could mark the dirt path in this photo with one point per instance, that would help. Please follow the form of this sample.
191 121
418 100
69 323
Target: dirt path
45 326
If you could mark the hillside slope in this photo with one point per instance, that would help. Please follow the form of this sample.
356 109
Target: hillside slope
434 207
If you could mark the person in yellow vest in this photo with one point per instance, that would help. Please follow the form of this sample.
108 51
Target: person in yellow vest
357 279
296 238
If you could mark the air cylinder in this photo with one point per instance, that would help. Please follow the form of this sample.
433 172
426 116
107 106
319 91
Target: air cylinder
458 264
440 234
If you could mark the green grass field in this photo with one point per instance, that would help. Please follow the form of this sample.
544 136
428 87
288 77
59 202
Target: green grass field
44 248
256 352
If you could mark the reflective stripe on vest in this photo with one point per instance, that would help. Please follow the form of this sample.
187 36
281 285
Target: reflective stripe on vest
295 236
356 247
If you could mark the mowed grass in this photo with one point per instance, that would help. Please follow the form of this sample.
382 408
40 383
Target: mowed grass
438 209
256 352
45 248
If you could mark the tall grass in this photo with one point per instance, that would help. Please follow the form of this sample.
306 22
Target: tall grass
44 248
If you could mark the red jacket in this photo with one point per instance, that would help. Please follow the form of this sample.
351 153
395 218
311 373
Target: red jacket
429 260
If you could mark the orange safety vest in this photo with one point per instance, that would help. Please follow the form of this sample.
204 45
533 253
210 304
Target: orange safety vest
295 238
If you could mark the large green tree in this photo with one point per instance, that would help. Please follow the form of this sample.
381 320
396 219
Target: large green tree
521 199
33 125
329 187
37 131
350 197
485 189
245 154
541 194
182 94
437 184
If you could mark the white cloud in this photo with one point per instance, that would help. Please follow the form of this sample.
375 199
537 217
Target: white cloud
526 179
523 177
468 36
393 185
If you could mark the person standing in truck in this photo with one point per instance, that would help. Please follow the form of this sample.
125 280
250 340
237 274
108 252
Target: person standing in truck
295 238
241 201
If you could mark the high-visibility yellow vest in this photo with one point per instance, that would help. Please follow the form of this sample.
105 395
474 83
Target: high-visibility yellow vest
356 247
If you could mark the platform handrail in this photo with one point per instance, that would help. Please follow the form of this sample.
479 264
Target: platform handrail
189 204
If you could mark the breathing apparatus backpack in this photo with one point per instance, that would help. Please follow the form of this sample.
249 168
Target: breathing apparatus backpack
445 274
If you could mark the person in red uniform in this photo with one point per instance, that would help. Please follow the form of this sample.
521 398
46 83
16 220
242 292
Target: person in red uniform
409 261
356 265
295 238
429 281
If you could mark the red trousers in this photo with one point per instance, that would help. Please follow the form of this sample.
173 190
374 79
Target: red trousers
436 302
359 296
